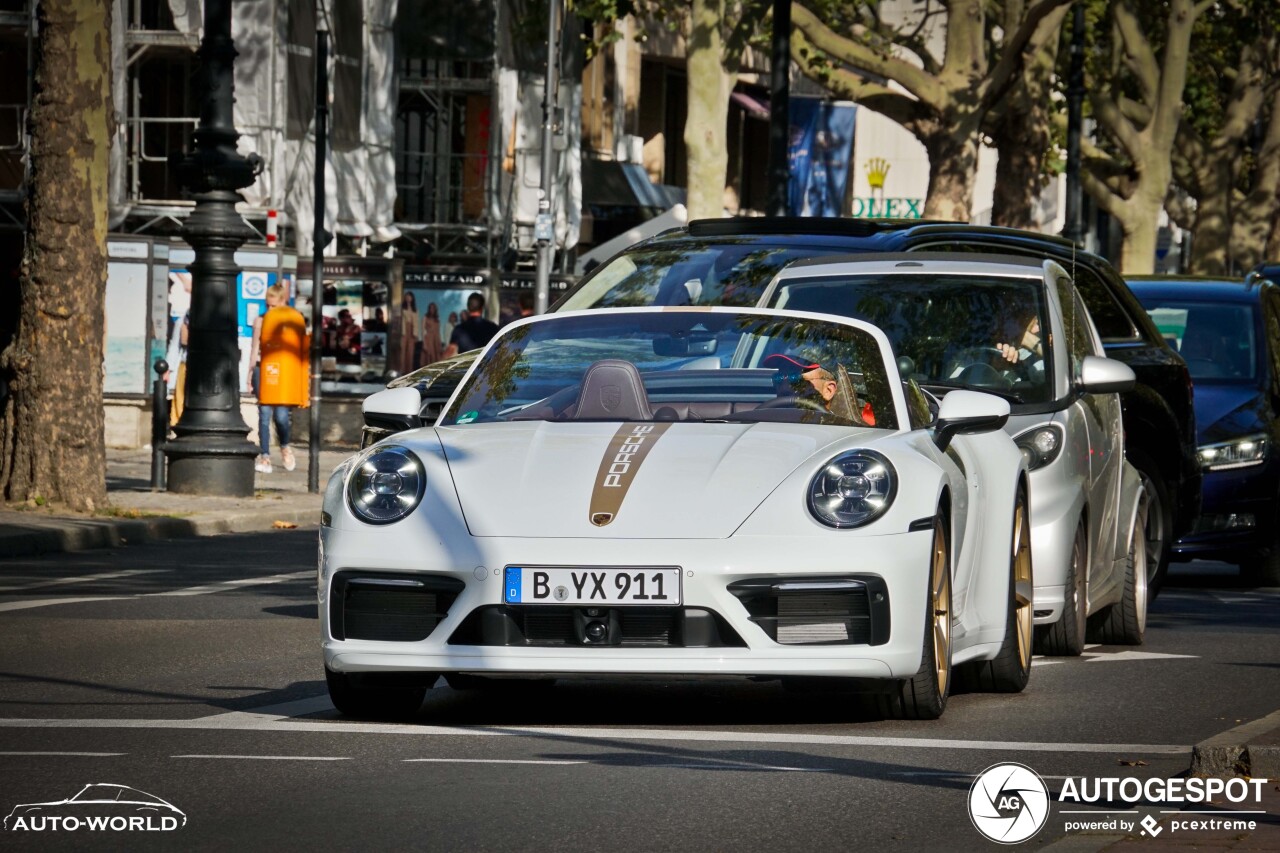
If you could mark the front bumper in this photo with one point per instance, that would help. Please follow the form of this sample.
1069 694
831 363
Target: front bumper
896 566
1239 515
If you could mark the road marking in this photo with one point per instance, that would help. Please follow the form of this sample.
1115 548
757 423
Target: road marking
271 757
5 590
227 586
77 754
45 602
1130 655
205 589
262 723
1044 661
488 761
283 710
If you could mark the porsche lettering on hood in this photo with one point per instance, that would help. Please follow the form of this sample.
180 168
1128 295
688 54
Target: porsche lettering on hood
686 481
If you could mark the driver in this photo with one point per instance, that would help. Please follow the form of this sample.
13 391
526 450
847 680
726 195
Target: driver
808 379
1027 348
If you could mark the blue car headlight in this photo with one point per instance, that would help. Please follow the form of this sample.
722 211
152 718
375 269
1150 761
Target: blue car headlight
386 484
853 489
1237 453
1040 445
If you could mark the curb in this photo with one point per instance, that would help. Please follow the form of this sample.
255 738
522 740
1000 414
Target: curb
1252 749
59 535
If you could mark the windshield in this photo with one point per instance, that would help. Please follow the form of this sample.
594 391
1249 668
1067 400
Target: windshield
688 272
946 331
691 365
1216 340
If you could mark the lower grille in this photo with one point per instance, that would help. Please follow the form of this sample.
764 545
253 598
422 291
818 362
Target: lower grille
672 627
847 610
390 608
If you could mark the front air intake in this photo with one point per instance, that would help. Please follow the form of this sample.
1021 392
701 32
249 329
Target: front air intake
847 610
389 607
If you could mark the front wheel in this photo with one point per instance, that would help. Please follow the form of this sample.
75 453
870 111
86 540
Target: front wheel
377 703
923 696
1010 670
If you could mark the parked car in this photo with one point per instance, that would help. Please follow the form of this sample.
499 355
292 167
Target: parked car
1228 332
731 261
1017 328
657 491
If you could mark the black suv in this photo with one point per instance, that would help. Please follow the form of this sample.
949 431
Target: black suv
731 261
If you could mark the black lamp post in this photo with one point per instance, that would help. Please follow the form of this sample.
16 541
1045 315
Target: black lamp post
1074 229
211 454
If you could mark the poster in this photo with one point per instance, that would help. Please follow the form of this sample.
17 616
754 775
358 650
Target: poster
127 344
820 152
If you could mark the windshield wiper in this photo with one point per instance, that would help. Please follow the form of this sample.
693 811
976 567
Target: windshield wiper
1004 395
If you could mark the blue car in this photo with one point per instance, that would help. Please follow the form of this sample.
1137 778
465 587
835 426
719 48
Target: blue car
1228 332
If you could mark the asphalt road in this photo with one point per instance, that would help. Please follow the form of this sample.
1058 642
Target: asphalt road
191 670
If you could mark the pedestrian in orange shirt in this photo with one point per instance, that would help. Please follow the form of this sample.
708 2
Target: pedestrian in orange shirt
278 373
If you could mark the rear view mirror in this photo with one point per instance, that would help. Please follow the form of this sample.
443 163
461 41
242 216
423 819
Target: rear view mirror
686 343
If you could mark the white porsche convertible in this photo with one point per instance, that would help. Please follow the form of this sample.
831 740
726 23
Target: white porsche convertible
681 492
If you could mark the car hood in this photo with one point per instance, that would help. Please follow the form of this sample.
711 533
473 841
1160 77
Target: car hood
613 480
1224 412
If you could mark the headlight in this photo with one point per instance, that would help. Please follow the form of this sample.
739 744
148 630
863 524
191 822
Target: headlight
1041 445
1240 453
386 485
853 489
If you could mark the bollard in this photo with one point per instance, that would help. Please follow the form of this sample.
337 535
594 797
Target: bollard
159 424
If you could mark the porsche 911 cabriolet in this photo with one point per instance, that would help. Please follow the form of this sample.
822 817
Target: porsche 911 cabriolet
681 492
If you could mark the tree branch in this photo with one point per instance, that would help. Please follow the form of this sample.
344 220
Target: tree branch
1139 58
858 56
1030 36
1109 115
847 84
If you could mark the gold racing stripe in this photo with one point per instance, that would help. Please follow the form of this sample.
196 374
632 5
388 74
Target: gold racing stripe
627 450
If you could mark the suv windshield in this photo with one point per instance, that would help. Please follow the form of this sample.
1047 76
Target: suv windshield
680 366
1216 340
946 330
689 272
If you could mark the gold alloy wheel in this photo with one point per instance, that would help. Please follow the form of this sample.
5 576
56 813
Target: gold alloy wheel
940 592
1022 589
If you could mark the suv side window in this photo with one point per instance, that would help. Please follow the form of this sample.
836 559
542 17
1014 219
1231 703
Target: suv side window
1113 323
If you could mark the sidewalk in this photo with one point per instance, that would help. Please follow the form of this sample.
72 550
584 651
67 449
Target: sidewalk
137 514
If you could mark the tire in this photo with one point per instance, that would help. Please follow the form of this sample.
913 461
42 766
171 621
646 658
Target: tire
923 696
1159 524
1065 638
376 703
1010 670
1125 622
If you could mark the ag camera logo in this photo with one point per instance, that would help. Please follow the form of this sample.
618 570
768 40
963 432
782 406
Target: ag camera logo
1008 803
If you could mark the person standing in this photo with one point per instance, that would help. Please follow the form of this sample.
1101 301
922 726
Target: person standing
278 372
432 345
474 331
408 332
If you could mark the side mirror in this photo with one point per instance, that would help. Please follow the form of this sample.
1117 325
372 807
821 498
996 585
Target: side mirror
1105 376
968 413
396 409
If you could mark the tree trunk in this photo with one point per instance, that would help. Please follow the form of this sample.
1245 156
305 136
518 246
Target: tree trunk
1140 222
51 433
706 126
953 166
1210 236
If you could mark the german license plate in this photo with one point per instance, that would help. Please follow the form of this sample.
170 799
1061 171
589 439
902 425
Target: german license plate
603 587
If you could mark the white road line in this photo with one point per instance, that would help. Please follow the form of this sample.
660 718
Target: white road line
81 579
46 602
283 710
206 589
271 757
260 723
488 761
77 754
227 586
